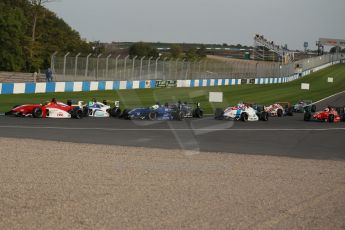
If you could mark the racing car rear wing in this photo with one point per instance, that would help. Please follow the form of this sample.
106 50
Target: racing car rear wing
76 103
191 103
116 103
284 104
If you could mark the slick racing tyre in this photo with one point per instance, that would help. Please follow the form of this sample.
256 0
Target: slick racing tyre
313 108
244 117
307 116
219 114
264 116
289 111
115 112
198 113
279 112
152 116
125 114
77 113
37 112
86 111
180 116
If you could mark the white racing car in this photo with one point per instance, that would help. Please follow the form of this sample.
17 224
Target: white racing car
241 112
98 109
279 109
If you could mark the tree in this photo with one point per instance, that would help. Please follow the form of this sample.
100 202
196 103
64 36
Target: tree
201 52
36 10
141 49
175 51
12 34
334 49
18 51
191 54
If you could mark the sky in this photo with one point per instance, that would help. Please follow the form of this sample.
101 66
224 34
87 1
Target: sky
291 22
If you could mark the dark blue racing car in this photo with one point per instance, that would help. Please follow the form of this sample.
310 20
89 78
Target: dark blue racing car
155 112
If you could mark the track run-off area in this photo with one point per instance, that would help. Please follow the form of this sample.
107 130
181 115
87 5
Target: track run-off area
286 136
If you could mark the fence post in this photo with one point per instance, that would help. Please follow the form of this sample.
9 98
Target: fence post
125 67
64 64
187 68
76 65
99 55
133 67
52 61
116 60
176 68
107 66
148 67
182 66
141 67
156 67
164 67
87 65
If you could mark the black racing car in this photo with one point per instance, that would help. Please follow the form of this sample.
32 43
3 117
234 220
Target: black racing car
190 109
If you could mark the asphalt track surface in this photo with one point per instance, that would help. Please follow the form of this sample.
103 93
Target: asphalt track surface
286 136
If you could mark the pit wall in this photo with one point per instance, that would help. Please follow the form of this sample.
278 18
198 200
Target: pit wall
85 86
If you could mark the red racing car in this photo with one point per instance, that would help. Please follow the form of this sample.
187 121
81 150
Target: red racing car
51 109
329 114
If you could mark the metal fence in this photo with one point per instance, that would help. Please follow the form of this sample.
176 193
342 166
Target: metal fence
78 68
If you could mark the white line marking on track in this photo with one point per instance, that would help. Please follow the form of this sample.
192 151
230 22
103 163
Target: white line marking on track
336 94
170 129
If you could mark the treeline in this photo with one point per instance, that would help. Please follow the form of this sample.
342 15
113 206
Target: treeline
141 49
30 34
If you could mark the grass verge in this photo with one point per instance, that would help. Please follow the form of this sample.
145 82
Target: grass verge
265 94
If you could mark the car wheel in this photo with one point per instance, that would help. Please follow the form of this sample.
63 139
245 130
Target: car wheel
313 108
85 111
180 116
307 116
8 113
37 112
244 117
279 112
152 116
290 111
331 118
125 114
219 114
264 116
115 112
76 113
198 113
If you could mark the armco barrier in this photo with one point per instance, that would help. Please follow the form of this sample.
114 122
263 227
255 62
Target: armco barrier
84 86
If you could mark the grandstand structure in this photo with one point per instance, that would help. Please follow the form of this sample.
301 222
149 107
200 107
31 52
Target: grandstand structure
265 49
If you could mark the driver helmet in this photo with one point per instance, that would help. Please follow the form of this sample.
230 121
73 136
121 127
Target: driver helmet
155 106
